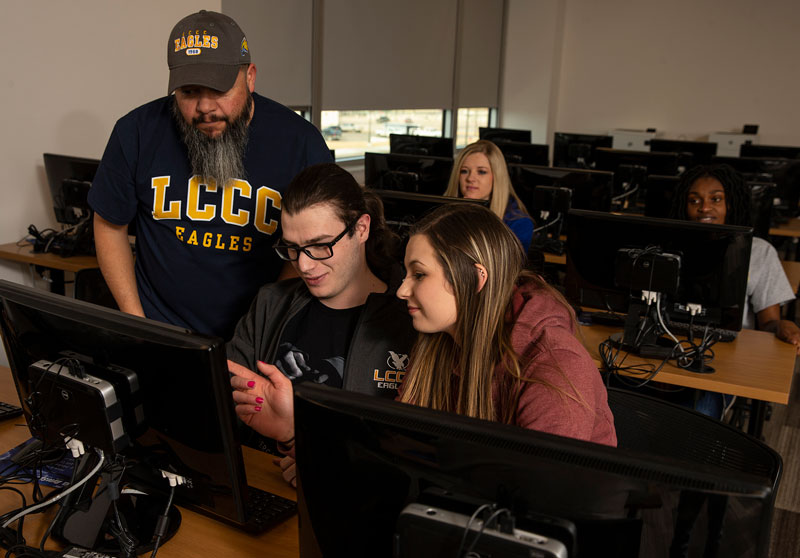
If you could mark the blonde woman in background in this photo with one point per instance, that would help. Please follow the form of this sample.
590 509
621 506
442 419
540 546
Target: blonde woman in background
480 173
495 342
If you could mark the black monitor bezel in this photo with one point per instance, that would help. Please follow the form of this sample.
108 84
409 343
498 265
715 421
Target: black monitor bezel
56 169
372 175
701 151
511 134
527 197
562 141
355 422
438 146
617 299
210 349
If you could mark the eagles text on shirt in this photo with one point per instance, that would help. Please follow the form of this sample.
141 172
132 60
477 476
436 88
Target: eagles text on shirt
225 203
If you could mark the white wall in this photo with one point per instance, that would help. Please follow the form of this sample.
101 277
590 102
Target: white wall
70 69
532 52
686 68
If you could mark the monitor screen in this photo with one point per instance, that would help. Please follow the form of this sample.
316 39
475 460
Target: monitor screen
772 151
403 209
521 153
577 150
590 189
421 174
379 456
714 263
690 153
420 145
499 134
173 387
70 179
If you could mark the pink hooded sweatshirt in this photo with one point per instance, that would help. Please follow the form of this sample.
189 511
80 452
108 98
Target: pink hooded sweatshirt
543 337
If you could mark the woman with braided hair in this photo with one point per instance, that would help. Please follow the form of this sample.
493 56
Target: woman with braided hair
719 194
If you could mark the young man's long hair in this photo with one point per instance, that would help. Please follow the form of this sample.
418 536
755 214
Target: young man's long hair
737 195
502 189
329 183
463 235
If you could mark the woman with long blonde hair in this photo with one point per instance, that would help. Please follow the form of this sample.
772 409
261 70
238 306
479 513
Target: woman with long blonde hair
495 342
480 173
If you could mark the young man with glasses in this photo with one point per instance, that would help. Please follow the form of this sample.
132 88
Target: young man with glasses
339 323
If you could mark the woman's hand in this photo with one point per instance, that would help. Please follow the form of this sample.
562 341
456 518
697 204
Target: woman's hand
264 402
789 332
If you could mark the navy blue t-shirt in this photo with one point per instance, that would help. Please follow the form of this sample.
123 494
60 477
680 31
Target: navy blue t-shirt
202 251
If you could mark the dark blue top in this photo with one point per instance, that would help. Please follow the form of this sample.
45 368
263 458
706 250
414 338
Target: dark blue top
519 223
202 251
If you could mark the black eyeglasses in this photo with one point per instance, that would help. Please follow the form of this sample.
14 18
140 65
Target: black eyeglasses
318 251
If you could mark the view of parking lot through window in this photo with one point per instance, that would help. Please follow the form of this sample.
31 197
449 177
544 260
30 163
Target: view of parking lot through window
469 120
351 133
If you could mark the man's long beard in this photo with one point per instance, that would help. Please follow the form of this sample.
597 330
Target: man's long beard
221 158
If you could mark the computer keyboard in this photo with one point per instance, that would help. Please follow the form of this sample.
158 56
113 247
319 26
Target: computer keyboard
7 411
266 510
681 328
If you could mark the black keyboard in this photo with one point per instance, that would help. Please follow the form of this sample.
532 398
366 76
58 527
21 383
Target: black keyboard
681 328
8 411
266 510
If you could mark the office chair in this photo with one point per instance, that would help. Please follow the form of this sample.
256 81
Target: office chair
663 429
91 287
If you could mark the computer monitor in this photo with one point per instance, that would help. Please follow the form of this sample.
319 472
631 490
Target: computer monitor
70 179
172 385
660 192
522 153
361 461
402 209
500 134
420 145
690 153
590 189
630 170
655 162
767 169
762 199
712 263
769 151
577 150
422 174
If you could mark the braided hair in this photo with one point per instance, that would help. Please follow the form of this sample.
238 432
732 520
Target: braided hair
737 194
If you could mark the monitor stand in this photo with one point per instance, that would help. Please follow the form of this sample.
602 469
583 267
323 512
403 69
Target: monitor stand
92 521
643 337
642 334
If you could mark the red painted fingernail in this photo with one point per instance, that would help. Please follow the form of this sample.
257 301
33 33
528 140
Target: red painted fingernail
259 399
251 383
258 409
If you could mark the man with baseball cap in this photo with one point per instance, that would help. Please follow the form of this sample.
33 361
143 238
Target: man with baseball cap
200 174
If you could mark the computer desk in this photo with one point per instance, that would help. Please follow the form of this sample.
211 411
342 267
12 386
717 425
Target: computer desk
756 365
57 265
198 535
791 228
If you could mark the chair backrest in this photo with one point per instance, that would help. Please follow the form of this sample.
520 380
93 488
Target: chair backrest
91 287
663 429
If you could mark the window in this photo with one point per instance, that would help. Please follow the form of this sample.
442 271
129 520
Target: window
469 120
354 132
